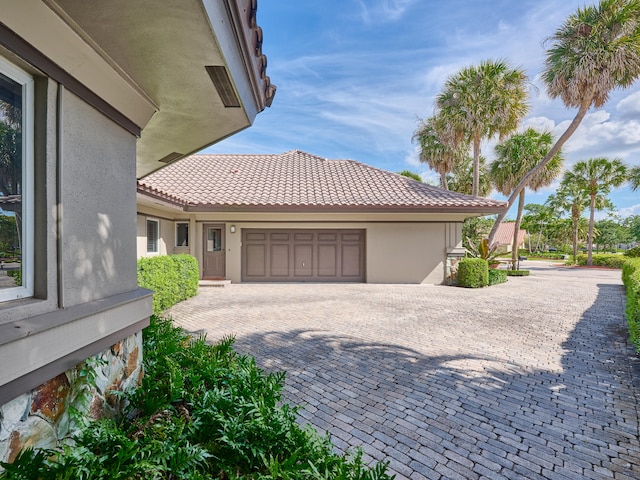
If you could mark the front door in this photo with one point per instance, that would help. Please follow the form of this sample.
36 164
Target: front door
214 251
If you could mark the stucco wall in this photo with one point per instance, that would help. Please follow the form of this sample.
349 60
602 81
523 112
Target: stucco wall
98 195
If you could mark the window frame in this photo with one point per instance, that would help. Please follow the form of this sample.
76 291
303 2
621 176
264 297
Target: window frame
21 77
176 244
157 235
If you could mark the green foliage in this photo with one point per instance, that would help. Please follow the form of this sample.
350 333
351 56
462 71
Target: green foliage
633 252
483 250
517 273
631 280
473 273
497 276
410 174
202 412
172 278
610 260
474 229
17 275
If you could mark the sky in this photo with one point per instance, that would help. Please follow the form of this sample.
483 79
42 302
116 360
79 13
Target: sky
355 76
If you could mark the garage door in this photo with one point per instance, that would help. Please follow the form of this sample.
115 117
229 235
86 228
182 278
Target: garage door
276 255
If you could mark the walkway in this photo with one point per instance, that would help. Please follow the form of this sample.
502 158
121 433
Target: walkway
529 379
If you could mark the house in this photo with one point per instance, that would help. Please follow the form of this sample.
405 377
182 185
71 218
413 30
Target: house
92 96
296 217
504 236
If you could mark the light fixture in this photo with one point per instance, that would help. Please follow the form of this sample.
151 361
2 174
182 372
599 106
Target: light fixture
232 229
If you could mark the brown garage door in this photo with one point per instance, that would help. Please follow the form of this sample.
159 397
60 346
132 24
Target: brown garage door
276 255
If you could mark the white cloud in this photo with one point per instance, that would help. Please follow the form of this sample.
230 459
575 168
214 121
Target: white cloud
629 211
629 106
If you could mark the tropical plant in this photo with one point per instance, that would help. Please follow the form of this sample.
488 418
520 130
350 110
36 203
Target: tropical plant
411 175
633 224
475 229
482 101
439 147
460 179
570 197
596 177
483 250
516 156
538 218
634 177
596 50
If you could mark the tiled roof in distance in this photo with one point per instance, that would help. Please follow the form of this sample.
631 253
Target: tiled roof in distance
298 179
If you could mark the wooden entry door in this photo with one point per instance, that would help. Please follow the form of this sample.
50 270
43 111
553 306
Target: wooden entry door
213 251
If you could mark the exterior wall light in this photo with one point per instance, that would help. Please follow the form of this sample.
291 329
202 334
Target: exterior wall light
232 229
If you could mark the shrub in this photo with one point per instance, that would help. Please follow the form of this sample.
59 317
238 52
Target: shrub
517 273
497 276
202 411
631 280
172 278
610 260
473 273
17 276
633 252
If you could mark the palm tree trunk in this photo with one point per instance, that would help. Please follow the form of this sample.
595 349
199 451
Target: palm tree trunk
592 215
516 229
573 126
575 217
443 181
475 186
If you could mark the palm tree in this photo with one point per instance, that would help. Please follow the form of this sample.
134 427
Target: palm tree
596 50
596 176
483 101
570 197
515 158
634 177
460 179
438 147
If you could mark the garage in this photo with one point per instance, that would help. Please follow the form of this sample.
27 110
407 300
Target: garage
300 255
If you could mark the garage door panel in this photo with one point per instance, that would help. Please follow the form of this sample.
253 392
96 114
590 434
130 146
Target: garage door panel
327 260
303 261
279 264
351 263
256 261
294 255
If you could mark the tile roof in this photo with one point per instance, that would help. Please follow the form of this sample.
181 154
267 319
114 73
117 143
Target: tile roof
504 234
297 179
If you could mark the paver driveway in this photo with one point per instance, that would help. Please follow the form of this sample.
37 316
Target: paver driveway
529 379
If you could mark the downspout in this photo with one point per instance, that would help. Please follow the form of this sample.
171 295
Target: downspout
59 171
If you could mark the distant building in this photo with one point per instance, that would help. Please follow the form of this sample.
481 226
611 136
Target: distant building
504 236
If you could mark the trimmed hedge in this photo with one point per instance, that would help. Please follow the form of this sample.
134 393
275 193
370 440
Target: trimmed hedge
610 260
473 273
633 252
497 276
173 278
517 273
631 280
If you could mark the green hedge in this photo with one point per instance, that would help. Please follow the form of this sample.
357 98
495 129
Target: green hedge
610 260
631 280
173 278
633 252
517 273
473 273
497 276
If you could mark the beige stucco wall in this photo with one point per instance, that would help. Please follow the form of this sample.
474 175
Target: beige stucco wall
400 248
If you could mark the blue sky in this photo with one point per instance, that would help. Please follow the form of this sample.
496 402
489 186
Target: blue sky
354 77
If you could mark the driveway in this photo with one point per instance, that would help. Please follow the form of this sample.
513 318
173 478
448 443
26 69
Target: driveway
529 379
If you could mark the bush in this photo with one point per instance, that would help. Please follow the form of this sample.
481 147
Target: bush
610 260
497 276
631 280
517 273
173 278
473 273
633 252
202 411
17 276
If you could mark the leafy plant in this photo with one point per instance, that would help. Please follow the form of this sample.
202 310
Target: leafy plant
603 260
473 273
633 252
201 412
631 280
483 250
172 278
497 276
517 273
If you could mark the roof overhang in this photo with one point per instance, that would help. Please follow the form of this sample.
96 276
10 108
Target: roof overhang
147 60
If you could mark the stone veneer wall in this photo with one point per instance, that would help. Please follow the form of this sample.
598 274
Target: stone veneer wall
42 418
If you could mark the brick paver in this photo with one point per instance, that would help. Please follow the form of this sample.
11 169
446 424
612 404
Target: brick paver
529 379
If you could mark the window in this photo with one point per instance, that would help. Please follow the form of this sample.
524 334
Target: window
153 235
182 234
16 182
